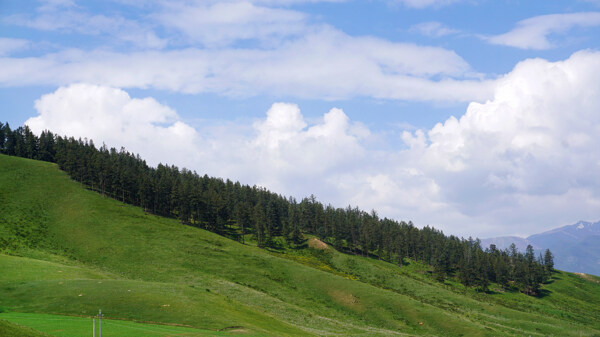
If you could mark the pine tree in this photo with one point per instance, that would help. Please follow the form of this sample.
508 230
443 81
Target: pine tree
529 254
2 137
549 260
259 223
10 142
31 143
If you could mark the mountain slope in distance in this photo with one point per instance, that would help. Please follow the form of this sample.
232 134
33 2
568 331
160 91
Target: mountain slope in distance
576 247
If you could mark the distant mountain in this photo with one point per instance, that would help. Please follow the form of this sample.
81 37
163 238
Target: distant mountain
576 247
503 242
566 235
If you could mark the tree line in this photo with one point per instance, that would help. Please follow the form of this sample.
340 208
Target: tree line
235 210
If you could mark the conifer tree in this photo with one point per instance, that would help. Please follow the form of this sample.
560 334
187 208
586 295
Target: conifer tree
549 260
2 137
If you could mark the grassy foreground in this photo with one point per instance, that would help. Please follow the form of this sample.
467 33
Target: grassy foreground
10 329
65 250
69 326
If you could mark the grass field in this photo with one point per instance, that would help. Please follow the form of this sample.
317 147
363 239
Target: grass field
65 250
10 329
69 326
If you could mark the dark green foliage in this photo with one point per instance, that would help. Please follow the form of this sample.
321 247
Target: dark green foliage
235 210
549 260
2 135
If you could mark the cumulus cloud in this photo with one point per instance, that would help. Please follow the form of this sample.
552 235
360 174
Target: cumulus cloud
293 156
533 33
110 115
517 157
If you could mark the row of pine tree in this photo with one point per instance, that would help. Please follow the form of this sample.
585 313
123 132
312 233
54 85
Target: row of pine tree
235 210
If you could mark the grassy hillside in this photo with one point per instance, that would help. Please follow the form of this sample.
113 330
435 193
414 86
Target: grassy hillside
65 250
9 329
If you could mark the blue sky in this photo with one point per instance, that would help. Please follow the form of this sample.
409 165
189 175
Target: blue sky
476 117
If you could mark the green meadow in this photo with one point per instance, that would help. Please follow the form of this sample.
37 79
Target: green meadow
66 252
70 326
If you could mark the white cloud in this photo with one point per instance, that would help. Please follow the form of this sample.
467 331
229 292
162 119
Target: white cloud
222 23
182 23
284 54
66 17
326 64
291 156
533 33
110 115
9 45
433 29
526 157
524 161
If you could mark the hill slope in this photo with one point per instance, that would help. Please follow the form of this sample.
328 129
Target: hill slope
70 251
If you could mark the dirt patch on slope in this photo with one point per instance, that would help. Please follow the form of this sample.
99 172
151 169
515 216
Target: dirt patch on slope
317 244
587 277
346 299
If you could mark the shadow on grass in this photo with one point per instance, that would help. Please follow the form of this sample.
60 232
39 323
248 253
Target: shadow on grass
543 293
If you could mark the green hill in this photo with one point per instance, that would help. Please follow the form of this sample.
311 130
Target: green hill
68 251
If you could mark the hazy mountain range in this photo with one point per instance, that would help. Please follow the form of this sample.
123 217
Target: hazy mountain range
576 247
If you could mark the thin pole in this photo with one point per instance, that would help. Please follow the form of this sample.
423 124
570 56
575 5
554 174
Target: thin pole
100 319
93 327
